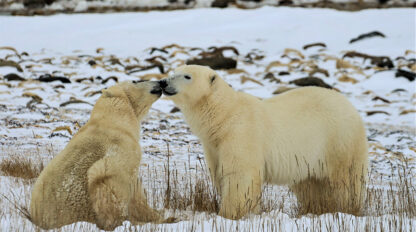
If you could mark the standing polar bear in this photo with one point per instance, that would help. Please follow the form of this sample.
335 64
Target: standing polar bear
311 139
94 178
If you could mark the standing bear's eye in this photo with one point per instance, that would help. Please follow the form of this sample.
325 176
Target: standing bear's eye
187 77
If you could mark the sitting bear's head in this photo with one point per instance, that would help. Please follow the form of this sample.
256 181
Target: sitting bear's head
189 84
136 95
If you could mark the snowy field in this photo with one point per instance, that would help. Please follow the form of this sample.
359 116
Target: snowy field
88 52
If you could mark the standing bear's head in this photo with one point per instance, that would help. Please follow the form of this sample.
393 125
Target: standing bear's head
128 95
190 84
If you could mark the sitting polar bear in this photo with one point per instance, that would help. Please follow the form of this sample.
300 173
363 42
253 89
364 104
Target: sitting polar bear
94 178
311 139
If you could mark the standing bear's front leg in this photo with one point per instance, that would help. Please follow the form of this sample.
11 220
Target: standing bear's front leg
240 184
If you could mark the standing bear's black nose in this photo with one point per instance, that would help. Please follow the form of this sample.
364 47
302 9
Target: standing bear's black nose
163 84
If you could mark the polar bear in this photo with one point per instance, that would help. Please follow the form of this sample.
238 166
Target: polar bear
311 139
95 178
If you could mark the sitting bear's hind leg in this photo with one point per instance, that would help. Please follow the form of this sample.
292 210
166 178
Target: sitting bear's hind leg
107 195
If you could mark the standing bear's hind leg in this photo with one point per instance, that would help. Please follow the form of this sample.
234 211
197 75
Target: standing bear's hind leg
348 173
314 196
349 188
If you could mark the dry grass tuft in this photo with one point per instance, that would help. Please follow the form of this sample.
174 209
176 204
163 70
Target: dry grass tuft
194 193
19 206
21 167
390 204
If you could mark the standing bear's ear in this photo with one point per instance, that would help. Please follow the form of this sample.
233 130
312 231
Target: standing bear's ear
213 79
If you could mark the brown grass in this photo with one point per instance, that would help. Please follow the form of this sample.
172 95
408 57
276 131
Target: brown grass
21 167
20 207
196 194
191 190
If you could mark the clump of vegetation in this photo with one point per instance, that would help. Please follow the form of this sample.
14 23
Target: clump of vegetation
21 167
184 190
194 193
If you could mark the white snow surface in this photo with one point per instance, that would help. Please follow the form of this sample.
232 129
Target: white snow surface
70 41
269 29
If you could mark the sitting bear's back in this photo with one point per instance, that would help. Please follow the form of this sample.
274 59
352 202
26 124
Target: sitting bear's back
65 178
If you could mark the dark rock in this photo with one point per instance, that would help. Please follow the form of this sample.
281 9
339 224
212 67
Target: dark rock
285 2
51 78
158 49
253 56
380 61
174 110
406 74
367 35
214 51
109 78
79 80
13 77
139 68
398 90
59 87
382 1
283 73
151 59
221 3
319 70
92 62
74 101
217 62
36 3
314 45
369 113
310 81
383 62
269 76
381 99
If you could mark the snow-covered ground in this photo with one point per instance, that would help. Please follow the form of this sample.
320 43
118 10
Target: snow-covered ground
89 48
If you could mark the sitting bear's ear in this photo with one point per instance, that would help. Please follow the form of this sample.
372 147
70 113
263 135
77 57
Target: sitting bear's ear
213 79
106 93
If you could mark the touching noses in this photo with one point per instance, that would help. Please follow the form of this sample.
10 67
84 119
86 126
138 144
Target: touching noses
163 84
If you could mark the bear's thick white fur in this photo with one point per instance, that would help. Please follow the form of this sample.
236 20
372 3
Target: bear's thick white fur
310 138
95 178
